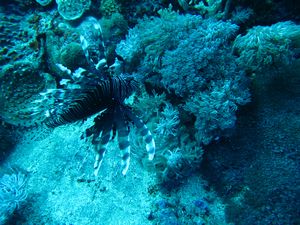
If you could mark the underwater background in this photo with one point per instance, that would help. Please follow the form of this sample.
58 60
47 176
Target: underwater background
150 112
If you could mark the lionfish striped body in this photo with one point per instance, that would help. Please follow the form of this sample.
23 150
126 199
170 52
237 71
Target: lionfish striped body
97 92
107 96
93 99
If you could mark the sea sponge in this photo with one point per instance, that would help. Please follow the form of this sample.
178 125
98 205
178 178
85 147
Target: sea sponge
72 9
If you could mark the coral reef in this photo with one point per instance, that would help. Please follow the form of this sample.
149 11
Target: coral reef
109 7
257 169
186 68
192 205
63 48
20 38
209 8
72 56
114 28
147 46
195 62
193 59
21 84
215 110
268 47
134 10
22 59
72 9
168 122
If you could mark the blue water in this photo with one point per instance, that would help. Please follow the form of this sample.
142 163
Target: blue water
149 112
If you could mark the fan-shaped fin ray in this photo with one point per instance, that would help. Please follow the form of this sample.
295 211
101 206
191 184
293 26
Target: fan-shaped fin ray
123 140
145 132
102 134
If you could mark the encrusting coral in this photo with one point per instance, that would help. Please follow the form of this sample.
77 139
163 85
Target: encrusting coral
20 85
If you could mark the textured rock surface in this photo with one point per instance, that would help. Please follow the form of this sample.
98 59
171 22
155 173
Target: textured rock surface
21 84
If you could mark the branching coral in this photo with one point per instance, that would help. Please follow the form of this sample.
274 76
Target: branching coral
168 123
203 71
151 37
199 58
215 109
211 8
190 57
149 104
268 47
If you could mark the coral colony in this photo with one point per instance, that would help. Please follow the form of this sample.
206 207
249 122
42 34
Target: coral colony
198 96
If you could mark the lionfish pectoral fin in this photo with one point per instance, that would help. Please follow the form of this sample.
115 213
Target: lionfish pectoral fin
123 140
150 143
100 148
145 132
102 134
124 145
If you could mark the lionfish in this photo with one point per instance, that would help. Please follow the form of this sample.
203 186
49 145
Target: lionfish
96 92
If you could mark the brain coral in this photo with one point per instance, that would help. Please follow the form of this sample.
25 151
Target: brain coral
18 38
72 9
72 56
20 85
108 7
44 2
